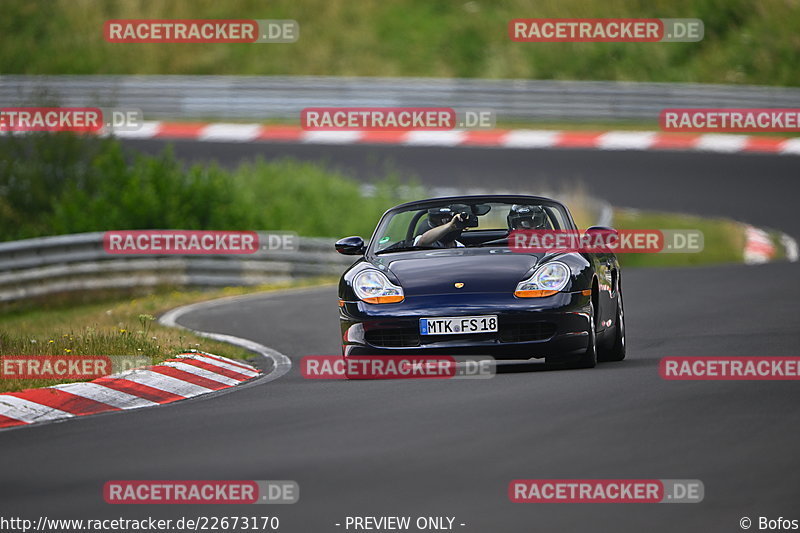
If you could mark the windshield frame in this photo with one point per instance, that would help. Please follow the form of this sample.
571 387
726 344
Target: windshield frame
436 202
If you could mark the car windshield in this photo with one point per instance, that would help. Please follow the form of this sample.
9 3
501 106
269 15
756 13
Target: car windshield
482 224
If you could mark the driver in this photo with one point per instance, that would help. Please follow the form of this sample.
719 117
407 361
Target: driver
527 217
445 228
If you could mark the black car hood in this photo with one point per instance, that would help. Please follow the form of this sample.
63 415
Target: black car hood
481 270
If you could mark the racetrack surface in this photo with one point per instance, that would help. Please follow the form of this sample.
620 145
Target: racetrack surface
428 447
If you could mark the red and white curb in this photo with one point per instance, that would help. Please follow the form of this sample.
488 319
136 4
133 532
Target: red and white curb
759 247
188 375
185 376
498 138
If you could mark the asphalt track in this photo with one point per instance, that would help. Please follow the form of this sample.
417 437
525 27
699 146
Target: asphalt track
450 448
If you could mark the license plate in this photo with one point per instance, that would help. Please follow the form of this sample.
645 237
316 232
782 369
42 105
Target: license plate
456 325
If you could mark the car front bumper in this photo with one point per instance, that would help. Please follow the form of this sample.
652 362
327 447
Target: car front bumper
555 327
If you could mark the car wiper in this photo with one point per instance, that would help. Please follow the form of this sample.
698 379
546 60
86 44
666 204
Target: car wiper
399 249
495 242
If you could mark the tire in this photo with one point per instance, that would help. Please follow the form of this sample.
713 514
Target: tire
617 350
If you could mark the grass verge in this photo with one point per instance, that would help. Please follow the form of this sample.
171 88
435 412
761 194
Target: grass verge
116 325
744 42
724 239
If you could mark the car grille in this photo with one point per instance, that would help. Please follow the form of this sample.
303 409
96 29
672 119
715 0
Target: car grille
393 337
410 337
527 331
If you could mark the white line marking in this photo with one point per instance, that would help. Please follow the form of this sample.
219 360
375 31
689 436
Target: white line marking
434 138
221 364
163 382
202 372
147 131
721 143
791 146
529 139
790 247
626 140
281 363
331 137
99 393
230 132
231 362
28 411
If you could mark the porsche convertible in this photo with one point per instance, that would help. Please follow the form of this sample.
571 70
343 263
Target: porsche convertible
440 277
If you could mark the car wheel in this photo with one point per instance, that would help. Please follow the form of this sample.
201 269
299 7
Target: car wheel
617 350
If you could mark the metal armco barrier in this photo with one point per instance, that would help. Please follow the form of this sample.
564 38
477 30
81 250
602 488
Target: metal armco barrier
283 97
48 265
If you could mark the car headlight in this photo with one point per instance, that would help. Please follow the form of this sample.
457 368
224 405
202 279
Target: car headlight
547 280
374 287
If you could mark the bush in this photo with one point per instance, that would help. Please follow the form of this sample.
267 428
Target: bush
61 183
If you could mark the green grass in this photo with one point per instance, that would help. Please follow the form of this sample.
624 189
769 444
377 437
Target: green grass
111 324
723 238
745 41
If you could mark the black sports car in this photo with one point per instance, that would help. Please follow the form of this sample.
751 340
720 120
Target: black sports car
439 277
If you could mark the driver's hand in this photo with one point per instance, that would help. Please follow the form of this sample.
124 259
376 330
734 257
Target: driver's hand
456 217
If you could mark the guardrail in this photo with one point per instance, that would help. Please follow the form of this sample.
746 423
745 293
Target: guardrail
283 97
48 265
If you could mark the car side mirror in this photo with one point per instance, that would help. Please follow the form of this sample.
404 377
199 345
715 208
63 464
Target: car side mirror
351 246
602 229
